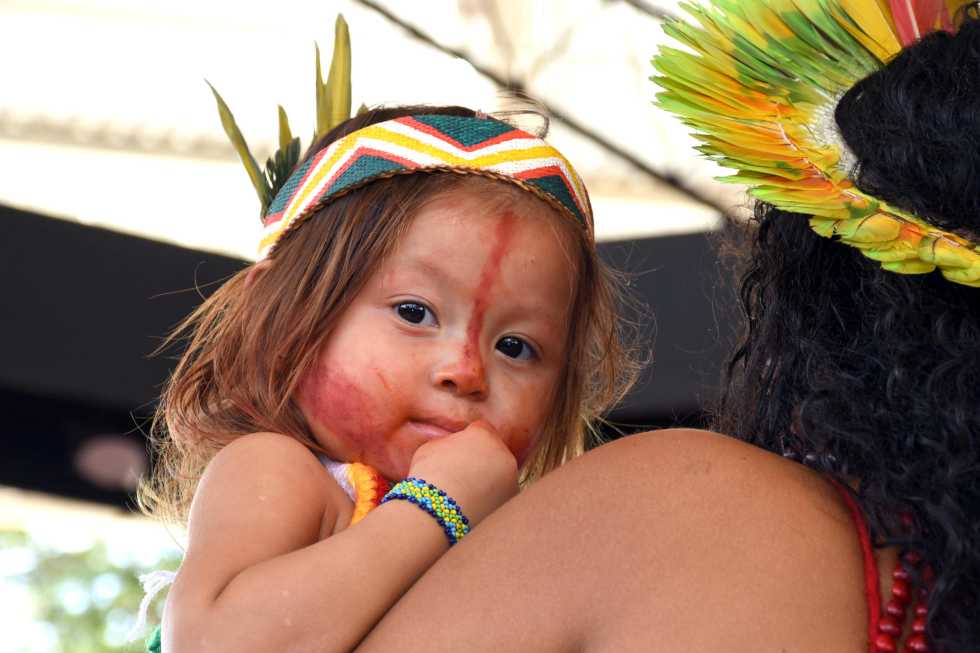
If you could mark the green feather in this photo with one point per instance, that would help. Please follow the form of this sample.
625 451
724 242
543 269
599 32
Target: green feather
322 112
909 267
890 254
238 141
967 276
338 89
285 134
281 165
823 226
333 104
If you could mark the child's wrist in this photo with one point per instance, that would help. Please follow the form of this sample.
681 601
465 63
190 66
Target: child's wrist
434 501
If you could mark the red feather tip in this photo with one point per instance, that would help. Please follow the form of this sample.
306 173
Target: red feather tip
916 18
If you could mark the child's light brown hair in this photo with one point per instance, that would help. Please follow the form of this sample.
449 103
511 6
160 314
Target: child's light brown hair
251 342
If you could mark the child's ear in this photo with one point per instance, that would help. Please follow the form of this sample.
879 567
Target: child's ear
256 271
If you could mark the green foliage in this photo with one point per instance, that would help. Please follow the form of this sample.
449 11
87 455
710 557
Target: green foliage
88 599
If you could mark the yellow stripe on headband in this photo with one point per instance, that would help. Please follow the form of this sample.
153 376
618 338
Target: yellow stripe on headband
428 143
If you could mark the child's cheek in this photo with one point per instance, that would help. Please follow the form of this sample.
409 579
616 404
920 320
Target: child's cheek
350 417
521 446
531 411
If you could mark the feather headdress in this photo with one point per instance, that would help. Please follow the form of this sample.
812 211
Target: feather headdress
758 83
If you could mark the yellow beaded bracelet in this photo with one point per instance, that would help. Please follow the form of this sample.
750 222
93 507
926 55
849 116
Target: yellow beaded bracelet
435 502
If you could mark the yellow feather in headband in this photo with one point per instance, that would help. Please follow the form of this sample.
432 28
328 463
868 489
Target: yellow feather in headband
758 82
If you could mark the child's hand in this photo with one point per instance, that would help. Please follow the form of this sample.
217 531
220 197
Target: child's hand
473 466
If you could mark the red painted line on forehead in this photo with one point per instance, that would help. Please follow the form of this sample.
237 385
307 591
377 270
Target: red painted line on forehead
488 277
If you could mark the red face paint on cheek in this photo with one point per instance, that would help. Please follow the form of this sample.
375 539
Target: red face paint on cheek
382 379
346 416
488 277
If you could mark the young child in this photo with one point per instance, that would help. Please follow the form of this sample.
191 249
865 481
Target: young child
429 306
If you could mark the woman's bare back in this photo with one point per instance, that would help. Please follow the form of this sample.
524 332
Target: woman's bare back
675 540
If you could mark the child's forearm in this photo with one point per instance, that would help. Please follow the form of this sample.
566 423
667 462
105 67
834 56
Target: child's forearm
324 597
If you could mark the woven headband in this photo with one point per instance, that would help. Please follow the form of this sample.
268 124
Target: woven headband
426 143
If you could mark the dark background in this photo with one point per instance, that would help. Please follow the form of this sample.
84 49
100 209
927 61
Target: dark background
83 308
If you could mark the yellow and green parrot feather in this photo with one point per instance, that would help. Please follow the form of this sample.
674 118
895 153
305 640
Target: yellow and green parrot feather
757 82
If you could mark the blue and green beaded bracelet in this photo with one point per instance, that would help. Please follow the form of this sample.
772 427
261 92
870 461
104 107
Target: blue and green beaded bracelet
435 502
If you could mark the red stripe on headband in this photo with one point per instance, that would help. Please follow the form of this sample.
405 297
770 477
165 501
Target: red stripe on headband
550 171
272 219
354 157
432 131
369 151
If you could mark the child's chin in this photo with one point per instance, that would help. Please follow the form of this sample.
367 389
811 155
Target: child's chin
391 470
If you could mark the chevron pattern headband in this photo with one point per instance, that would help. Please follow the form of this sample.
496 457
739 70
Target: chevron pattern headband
426 143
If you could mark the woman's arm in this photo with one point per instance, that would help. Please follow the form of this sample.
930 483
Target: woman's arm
669 541
258 577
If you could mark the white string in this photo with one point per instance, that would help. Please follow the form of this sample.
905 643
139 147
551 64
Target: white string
153 583
339 473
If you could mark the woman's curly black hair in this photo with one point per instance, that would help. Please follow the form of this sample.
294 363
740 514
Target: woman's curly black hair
870 375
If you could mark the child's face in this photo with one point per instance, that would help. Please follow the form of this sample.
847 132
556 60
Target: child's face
466 320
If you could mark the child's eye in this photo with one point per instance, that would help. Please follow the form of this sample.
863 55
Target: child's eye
514 347
415 313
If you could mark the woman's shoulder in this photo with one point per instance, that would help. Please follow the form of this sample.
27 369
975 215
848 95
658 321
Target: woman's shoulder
674 540
755 532
706 459
736 482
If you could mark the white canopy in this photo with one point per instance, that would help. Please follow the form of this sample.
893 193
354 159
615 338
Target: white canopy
105 117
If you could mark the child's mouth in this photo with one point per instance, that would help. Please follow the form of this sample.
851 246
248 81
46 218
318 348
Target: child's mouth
436 427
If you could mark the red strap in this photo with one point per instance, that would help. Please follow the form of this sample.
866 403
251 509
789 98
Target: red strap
871 588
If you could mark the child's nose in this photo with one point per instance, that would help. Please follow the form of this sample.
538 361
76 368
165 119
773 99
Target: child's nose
463 375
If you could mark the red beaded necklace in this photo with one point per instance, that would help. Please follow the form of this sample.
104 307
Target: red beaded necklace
885 629
892 622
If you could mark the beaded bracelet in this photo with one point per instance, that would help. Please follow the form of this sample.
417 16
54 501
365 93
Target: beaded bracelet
435 502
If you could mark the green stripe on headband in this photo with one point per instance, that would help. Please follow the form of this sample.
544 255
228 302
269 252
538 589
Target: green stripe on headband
426 143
